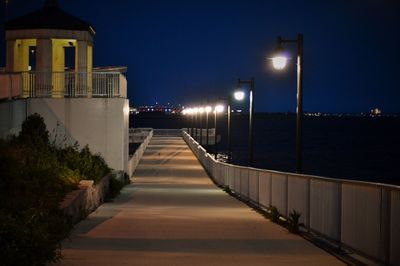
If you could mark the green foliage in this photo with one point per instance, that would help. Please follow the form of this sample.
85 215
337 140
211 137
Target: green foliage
293 222
274 214
227 189
115 187
83 163
35 176
34 131
31 224
32 236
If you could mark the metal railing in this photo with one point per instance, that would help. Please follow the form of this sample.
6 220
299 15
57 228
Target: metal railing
73 84
358 216
167 132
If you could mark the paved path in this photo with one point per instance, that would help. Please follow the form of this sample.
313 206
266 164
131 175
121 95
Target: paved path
173 214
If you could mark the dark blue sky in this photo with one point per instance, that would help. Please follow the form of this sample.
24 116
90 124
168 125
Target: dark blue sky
186 51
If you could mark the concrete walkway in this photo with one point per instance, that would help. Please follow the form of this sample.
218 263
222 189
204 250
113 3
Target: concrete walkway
173 214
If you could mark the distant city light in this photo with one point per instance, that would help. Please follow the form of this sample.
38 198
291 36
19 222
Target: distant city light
201 110
239 95
279 62
208 109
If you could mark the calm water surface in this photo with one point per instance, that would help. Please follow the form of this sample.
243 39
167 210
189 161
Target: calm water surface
360 148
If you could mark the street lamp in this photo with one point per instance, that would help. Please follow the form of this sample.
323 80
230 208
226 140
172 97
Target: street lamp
251 113
195 111
239 96
218 109
201 111
208 109
279 62
190 113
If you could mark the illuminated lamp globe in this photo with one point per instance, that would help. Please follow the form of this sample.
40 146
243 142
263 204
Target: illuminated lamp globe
219 108
239 95
208 109
279 62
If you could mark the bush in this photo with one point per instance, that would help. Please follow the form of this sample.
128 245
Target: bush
83 163
31 224
116 184
35 176
115 187
293 222
274 214
32 236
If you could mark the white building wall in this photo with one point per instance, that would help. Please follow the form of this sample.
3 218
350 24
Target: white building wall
101 123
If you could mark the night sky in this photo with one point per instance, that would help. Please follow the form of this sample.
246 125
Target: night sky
187 51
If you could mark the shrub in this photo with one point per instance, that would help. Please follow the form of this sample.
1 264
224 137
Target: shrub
293 222
115 187
34 132
32 236
274 214
31 224
35 176
83 163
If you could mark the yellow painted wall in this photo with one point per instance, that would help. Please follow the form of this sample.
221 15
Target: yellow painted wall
21 54
59 64
21 61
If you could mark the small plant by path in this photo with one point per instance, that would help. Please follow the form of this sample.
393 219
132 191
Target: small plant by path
293 222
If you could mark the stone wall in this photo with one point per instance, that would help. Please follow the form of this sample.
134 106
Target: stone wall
79 203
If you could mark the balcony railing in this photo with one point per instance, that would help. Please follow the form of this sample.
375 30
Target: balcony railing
63 84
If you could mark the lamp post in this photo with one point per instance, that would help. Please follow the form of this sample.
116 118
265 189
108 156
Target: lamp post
238 95
190 113
191 122
201 111
218 109
251 114
195 111
208 109
279 62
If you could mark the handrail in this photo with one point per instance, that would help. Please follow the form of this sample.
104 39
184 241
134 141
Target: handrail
355 215
69 84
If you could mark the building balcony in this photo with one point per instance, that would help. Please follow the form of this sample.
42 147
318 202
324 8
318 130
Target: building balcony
100 83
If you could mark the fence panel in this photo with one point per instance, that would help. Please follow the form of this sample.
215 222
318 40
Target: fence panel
244 182
394 227
236 185
217 175
361 213
325 212
253 185
298 192
279 183
264 189
224 176
231 177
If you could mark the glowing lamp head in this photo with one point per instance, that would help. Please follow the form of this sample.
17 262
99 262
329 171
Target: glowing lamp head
195 110
201 110
219 108
239 95
208 109
279 62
